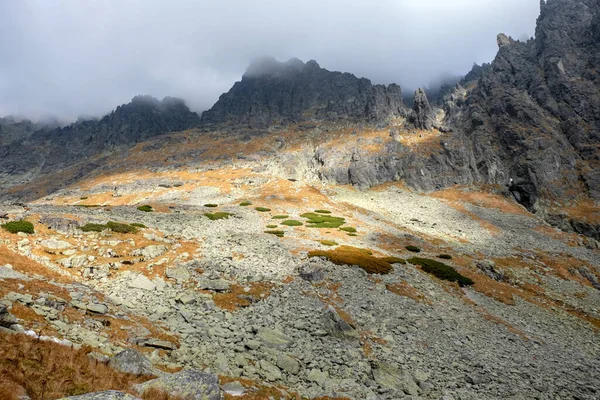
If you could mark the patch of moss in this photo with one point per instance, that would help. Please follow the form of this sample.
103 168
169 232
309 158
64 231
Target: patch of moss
276 233
328 243
138 225
323 212
83 198
351 234
394 260
441 270
18 226
445 256
245 203
347 255
323 221
217 215
262 209
210 205
292 222
271 226
93 227
146 208
88 205
414 249
348 229
280 216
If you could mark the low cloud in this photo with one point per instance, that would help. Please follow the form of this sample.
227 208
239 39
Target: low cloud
68 57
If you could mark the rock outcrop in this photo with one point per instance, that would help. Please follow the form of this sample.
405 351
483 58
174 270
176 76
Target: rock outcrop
273 92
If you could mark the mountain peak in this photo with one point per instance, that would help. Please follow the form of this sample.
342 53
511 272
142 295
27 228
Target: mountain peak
273 92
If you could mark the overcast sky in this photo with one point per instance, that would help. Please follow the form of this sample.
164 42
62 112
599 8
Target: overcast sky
84 57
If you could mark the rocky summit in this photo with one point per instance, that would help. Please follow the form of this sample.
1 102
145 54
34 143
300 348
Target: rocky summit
311 236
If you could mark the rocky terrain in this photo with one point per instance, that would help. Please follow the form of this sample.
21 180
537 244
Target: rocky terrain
311 236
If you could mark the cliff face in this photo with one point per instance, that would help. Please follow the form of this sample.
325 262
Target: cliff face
271 92
534 115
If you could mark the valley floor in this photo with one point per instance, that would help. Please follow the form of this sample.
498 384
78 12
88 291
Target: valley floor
238 294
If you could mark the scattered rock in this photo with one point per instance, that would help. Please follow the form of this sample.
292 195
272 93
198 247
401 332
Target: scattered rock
105 395
337 327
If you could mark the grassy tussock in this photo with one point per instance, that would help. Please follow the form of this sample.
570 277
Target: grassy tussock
245 204
441 270
347 255
262 209
348 229
211 205
414 249
145 208
18 226
394 260
280 216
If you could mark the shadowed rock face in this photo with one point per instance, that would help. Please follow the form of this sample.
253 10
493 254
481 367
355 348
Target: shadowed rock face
273 92
534 115
47 151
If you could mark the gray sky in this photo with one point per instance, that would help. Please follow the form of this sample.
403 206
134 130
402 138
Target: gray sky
84 57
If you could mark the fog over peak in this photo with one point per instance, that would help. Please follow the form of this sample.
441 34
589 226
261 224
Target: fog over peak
68 58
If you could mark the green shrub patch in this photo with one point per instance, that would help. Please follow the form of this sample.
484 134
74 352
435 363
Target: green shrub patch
210 205
445 256
138 225
414 249
245 203
348 229
18 226
394 260
441 270
292 222
271 226
280 216
262 209
323 212
113 226
276 233
217 215
323 221
328 243
146 208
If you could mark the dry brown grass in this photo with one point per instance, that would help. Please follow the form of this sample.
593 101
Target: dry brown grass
30 267
348 255
46 370
482 198
237 296
404 289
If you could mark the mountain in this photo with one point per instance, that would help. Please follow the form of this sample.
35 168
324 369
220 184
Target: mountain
533 114
273 92
47 151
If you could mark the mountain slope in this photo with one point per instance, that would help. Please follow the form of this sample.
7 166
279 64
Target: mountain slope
45 152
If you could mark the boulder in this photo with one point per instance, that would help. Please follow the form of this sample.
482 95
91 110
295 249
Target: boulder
132 362
337 327
141 282
187 384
